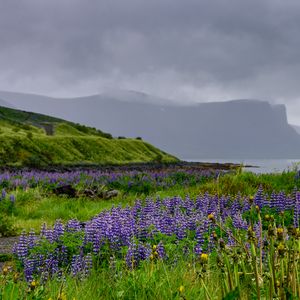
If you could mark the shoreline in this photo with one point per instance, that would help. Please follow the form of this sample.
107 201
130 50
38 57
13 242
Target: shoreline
180 165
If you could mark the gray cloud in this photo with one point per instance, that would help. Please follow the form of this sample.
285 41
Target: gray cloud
191 50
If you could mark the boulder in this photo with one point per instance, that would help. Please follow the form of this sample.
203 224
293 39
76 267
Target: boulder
68 190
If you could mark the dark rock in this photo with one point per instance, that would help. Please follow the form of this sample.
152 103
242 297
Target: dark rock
68 190
90 193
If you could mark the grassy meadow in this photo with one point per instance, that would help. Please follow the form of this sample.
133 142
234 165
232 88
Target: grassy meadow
176 234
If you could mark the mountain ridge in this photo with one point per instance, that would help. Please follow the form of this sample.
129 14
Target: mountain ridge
242 128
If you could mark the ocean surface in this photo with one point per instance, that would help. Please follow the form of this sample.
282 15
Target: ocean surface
259 165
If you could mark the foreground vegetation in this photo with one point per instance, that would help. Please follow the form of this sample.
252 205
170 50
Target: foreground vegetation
191 235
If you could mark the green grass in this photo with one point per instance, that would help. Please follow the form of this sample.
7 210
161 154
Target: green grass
247 183
34 207
151 281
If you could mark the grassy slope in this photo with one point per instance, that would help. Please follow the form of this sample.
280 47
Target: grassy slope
23 141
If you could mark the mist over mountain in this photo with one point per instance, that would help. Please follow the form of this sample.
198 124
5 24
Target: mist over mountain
297 128
232 129
5 104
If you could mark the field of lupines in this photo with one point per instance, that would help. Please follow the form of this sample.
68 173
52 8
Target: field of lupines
210 246
35 191
125 179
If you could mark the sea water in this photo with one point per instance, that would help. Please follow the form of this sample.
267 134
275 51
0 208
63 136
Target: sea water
258 165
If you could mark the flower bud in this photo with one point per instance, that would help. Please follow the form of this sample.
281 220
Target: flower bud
5 271
204 258
214 236
33 285
211 217
281 249
280 232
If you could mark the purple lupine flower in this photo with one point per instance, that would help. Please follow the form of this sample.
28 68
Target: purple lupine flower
259 197
161 250
12 199
21 249
238 222
76 265
51 264
144 251
31 239
273 200
49 235
135 227
29 269
58 230
132 259
3 194
199 236
296 219
73 226
280 202
257 230
198 249
88 264
230 240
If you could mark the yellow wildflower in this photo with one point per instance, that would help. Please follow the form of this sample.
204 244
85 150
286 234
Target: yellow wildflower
204 258
280 230
33 284
62 296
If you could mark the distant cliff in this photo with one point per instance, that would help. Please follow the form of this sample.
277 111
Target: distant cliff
297 128
232 129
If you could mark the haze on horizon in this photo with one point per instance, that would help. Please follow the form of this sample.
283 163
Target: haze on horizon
185 51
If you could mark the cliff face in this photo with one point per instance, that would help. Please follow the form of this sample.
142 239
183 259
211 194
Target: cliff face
297 128
233 129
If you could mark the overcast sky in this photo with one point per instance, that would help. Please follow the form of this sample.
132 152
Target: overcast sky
186 50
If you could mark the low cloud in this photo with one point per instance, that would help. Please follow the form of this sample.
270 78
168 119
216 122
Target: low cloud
187 51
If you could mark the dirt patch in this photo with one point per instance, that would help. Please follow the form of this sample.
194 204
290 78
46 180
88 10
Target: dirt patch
7 243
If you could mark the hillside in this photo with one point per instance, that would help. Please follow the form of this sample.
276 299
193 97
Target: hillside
238 129
28 138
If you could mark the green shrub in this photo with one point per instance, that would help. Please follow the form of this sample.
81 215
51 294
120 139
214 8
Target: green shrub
29 135
26 127
33 161
6 226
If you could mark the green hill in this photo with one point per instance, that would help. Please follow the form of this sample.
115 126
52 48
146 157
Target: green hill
28 138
